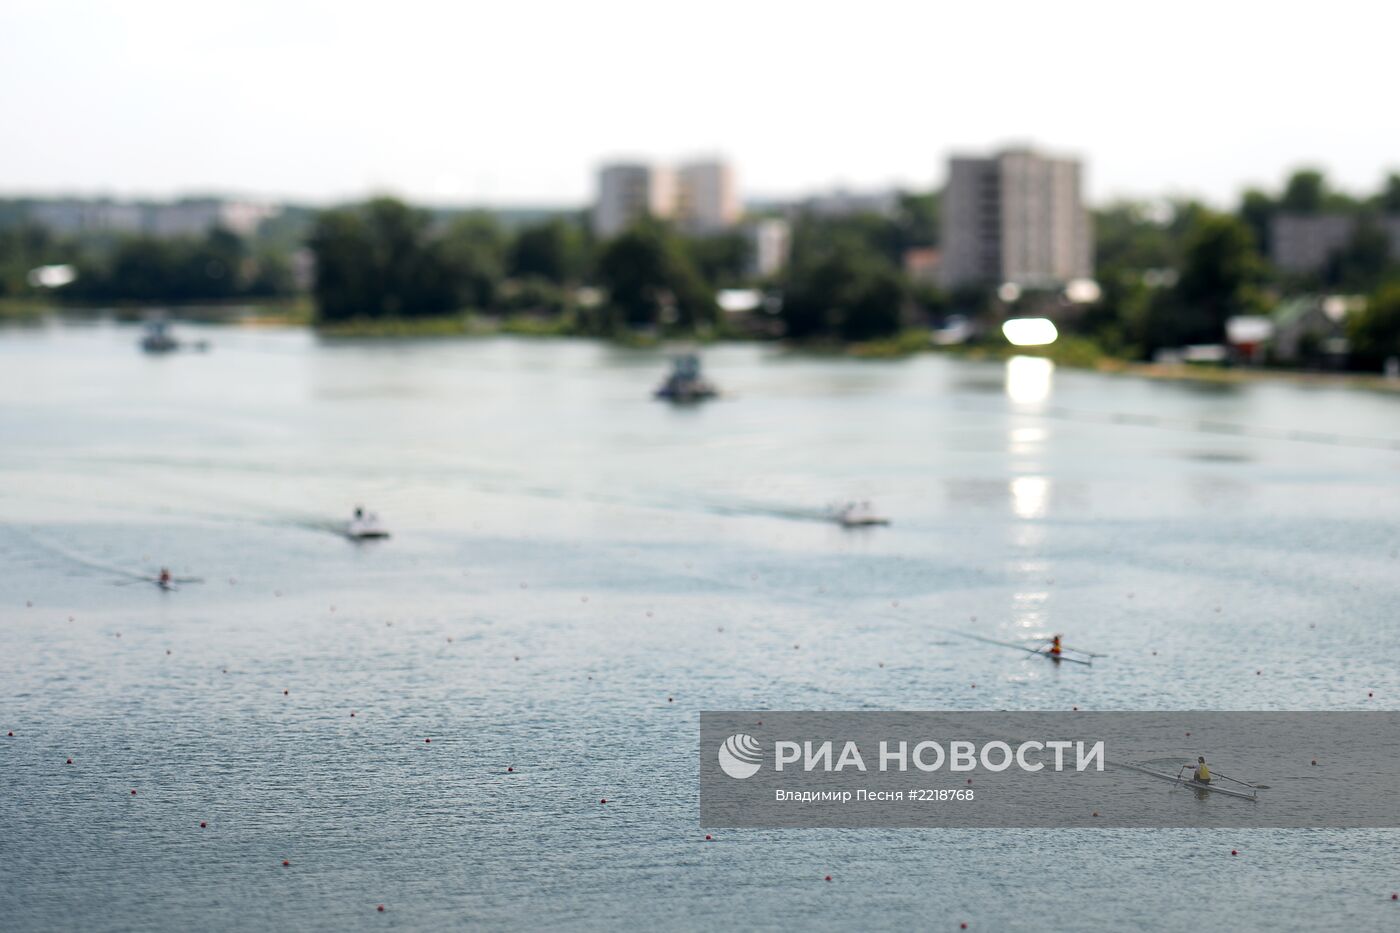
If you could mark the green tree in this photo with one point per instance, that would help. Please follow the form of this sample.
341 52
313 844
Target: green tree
848 292
1361 265
1257 209
722 259
1389 198
382 259
552 251
1375 331
474 249
1218 280
917 218
652 282
1305 193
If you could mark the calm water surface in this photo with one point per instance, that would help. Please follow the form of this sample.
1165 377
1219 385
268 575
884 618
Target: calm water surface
576 571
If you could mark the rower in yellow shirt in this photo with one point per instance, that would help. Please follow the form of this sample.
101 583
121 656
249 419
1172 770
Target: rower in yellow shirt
1202 773
1055 650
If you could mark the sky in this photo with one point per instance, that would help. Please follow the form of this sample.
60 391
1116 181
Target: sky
517 102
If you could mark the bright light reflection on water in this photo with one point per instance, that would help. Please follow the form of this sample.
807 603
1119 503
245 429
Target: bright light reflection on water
1029 379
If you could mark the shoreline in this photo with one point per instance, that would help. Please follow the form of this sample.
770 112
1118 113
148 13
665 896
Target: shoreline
1071 353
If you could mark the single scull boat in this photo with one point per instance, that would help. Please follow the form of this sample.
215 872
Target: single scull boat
1195 785
1042 651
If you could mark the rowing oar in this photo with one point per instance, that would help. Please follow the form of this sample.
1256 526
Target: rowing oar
1011 644
1089 654
1237 780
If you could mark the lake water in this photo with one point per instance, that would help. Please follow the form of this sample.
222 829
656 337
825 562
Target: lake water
577 570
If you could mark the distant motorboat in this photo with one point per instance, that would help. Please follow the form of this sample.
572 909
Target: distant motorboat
365 525
857 515
157 338
685 384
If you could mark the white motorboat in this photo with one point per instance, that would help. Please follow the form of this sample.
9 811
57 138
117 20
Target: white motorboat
365 525
858 515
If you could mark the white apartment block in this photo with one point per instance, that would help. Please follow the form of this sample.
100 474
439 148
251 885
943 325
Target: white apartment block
701 196
628 192
1016 217
707 198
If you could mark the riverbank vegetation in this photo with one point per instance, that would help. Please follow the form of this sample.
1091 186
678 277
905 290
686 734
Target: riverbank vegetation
1171 274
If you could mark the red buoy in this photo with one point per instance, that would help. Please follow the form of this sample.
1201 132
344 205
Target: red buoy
709 838
428 741
286 693
604 800
133 792
1234 851
203 825
286 864
1096 813
670 699
1395 897
380 908
69 761
12 735
828 877
510 770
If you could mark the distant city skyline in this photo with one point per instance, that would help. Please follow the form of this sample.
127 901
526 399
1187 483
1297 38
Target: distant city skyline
459 104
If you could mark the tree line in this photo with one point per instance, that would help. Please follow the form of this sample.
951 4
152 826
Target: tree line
1171 274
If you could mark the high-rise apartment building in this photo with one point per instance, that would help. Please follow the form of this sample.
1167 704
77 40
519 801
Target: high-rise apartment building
628 192
701 196
1018 217
707 198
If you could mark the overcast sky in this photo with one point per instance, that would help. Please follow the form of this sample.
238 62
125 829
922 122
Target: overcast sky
516 101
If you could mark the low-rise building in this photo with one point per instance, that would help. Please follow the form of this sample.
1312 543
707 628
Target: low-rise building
1303 244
